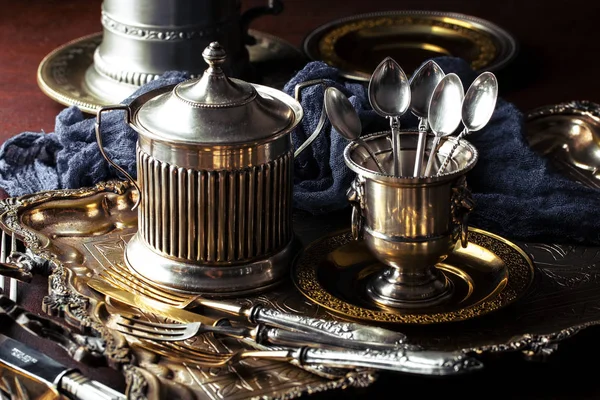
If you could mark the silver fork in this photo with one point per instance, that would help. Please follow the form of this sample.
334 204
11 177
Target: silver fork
167 340
119 276
174 332
399 360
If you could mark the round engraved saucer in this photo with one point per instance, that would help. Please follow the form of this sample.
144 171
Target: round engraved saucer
489 274
569 135
61 74
357 44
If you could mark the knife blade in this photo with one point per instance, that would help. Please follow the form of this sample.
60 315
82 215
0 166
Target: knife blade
82 348
67 381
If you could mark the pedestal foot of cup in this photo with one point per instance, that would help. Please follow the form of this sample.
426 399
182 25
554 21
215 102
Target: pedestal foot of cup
397 289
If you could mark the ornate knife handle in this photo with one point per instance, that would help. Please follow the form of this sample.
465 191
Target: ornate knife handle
436 363
330 332
83 348
83 388
356 196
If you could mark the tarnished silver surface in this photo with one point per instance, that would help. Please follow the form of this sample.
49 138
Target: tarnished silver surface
214 171
410 224
142 39
568 135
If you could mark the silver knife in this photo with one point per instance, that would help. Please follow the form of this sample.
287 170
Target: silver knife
67 381
343 334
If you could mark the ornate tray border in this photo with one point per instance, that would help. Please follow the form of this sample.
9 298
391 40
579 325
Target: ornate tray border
65 302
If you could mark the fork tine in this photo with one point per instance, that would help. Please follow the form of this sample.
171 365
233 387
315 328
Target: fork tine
144 283
126 278
157 325
151 332
143 286
144 335
129 281
164 334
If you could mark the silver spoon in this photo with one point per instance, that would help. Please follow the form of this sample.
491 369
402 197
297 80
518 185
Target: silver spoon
422 83
344 119
444 112
389 95
477 109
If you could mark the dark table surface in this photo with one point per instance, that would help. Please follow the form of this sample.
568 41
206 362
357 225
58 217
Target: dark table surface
558 47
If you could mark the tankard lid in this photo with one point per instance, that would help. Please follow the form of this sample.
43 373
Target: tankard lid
215 109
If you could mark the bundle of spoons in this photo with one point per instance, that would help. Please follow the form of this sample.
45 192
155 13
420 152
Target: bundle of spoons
477 109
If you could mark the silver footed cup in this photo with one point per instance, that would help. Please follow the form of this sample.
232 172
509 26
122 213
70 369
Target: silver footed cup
409 223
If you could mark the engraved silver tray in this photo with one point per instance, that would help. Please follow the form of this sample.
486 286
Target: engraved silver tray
82 230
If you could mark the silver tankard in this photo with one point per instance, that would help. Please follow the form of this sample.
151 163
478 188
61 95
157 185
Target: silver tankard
142 39
409 224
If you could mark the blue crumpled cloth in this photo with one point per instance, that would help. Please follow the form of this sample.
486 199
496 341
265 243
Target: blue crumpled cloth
517 193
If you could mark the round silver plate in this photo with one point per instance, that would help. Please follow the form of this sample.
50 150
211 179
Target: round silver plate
357 44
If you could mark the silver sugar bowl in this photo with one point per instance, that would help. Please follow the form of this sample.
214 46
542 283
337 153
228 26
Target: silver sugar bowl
214 169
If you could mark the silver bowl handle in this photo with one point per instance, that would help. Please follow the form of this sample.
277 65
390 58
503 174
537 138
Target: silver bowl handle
297 89
106 156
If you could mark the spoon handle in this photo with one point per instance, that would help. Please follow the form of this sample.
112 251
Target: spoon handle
365 146
432 153
396 161
420 155
451 153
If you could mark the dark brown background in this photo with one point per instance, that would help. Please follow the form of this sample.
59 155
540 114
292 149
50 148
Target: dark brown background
559 43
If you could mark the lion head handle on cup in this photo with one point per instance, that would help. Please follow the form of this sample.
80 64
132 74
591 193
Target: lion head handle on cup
461 205
356 196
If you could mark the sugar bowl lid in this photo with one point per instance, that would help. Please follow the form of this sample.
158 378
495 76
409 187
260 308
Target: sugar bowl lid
215 109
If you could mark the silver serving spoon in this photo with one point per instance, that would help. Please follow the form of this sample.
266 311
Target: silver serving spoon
477 109
344 119
422 83
389 95
444 112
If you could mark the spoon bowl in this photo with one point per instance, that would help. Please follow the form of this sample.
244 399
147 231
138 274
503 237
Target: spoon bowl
389 95
345 120
422 84
480 102
445 112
